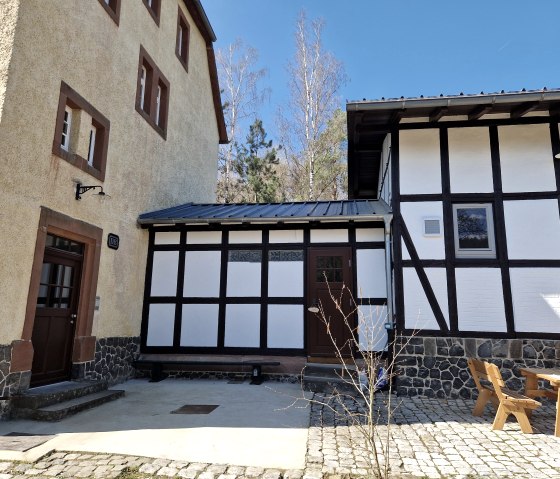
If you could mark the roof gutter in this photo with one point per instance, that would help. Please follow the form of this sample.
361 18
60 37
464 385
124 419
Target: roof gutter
498 98
205 20
178 221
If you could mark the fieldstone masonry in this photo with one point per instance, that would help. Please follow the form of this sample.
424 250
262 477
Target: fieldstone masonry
112 362
437 367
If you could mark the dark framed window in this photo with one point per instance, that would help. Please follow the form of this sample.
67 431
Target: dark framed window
474 230
154 7
183 36
152 94
113 8
90 157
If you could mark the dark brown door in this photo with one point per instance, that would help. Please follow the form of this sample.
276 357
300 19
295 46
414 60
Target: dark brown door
329 269
55 316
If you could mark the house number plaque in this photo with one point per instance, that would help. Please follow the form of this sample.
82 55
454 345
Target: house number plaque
113 241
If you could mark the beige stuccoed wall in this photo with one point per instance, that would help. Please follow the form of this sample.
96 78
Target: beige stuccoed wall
8 14
77 42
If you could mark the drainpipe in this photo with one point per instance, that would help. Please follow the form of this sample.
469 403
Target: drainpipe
388 269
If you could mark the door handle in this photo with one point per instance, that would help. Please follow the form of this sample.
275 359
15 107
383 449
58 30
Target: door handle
74 316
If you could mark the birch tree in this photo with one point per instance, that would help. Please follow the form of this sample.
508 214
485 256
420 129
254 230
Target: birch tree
316 78
239 77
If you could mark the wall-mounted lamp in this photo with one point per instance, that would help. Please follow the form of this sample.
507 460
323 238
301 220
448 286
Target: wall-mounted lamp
80 190
557 156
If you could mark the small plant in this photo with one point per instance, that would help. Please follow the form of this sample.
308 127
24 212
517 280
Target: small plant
364 372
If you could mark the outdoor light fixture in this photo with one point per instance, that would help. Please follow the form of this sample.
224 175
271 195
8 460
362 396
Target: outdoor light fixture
557 156
80 190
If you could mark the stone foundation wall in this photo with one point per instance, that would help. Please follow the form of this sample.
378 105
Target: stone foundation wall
224 375
112 362
437 367
11 383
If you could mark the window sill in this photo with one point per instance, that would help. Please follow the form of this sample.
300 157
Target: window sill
79 162
162 132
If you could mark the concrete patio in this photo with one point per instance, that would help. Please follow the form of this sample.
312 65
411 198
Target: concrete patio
256 431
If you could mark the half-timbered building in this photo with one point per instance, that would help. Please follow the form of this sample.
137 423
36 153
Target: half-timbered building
451 236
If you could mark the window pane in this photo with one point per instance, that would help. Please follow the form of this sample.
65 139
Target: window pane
244 273
285 273
329 269
472 228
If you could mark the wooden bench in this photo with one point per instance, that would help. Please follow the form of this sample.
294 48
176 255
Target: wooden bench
157 366
491 388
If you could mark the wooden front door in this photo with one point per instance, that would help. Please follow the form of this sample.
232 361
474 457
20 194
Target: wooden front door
329 269
55 316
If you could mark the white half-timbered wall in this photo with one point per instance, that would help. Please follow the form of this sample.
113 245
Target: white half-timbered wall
196 303
442 164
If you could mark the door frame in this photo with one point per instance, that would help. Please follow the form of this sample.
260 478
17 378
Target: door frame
91 236
349 251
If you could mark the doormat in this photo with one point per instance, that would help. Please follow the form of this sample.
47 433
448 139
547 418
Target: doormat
22 441
195 409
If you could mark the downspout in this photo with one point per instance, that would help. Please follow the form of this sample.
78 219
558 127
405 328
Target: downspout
388 269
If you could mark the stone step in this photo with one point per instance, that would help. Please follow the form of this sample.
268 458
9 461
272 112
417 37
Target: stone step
327 377
57 412
35 398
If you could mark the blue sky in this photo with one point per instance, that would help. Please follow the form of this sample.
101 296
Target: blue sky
404 47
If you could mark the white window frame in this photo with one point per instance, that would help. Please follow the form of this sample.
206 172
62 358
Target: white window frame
489 252
66 122
91 149
143 76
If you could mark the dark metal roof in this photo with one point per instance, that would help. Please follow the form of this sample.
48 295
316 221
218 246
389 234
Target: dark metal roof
269 212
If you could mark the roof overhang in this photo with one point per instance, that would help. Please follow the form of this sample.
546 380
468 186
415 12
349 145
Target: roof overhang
369 122
203 24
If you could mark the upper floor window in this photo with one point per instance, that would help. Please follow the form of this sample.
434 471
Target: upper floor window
183 32
474 230
154 7
81 133
152 97
113 8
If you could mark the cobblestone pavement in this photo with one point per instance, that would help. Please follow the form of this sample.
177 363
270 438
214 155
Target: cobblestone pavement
430 438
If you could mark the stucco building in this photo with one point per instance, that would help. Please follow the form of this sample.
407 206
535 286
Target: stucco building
119 95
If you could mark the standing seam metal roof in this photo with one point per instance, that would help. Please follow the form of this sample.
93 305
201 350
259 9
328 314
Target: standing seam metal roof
266 212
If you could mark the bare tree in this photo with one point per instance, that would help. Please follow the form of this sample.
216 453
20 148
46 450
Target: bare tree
239 78
316 77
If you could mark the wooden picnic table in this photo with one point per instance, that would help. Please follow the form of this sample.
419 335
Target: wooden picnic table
552 375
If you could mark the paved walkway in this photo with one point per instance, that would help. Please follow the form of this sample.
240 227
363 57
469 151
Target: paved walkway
429 438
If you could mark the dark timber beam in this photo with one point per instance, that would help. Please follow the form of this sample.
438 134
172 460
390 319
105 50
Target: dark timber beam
397 116
554 110
438 113
477 112
523 109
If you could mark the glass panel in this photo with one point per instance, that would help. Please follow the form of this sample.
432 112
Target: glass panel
68 275
244 256
329 269
46 272
472 227
65 298
64 244
285 255
42 297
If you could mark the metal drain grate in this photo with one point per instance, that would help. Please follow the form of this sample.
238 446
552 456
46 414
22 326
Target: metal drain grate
195 409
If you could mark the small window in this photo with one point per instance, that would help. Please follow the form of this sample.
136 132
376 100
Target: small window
154 7
66 126
474 231
183 32
74 114
152 98
91 149
113 8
